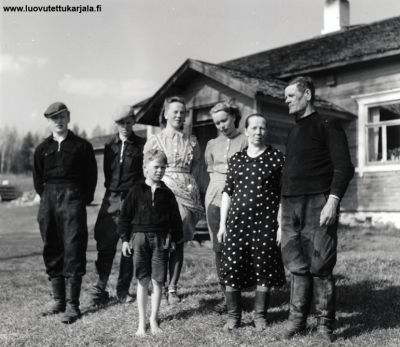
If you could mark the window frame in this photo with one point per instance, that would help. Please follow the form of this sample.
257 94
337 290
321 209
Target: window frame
365 102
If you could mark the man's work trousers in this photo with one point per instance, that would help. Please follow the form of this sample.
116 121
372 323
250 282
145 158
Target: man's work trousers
63 228
106 236
310 251
307 247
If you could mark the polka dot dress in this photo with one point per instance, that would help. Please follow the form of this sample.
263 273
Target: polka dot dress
250 254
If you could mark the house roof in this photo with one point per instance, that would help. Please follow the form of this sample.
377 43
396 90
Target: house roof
352 45
234 79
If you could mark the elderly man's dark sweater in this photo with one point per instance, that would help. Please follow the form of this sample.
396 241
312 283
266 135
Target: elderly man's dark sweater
317 158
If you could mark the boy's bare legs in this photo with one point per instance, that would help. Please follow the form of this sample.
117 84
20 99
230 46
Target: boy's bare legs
142 294
155 306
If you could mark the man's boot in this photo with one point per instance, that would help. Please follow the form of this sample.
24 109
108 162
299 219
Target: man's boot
234 308
98 294
58 288
73 290
261 303
300 301
325 306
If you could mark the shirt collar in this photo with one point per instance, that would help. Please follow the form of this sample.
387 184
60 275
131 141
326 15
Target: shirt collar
69 135
172 132
234 134
130 139
146 186
305 117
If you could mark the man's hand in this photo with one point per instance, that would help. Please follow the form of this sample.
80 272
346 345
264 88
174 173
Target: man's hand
329 212
126 249
221 233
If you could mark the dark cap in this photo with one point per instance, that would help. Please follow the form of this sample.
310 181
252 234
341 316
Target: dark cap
123 112
54 109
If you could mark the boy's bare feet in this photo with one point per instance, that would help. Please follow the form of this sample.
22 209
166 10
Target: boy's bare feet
154 327
141 331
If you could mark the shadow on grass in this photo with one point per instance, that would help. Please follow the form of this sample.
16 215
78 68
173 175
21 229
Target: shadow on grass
190 292
21 256
86 310
369 305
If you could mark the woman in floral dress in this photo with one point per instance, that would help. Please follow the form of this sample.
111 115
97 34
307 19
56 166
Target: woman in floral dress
184 161
248 228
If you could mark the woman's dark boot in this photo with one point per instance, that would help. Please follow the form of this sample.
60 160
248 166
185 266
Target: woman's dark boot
58 288
221 307
261 303
300 301
234 308
325 307
73 290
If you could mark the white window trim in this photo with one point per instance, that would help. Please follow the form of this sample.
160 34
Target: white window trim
365 101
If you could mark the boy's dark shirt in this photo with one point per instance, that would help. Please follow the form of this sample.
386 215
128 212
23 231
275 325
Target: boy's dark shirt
73 161
119 177
140 214
317 158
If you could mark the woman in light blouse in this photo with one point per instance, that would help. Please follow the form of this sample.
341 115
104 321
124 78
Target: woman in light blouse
226 117
184 161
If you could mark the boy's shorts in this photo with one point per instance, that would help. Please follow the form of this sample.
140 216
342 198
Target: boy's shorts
149 256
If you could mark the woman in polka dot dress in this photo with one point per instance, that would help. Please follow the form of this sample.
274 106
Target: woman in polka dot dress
248 227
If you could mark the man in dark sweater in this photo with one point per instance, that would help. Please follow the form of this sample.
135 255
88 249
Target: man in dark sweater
65 177
123 161
316 174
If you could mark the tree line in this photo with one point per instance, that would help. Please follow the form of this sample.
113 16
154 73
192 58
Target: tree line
16 150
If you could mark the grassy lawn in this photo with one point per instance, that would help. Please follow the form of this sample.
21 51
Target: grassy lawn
368 280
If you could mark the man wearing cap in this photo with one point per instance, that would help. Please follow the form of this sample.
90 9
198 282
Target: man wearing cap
65 177
123 161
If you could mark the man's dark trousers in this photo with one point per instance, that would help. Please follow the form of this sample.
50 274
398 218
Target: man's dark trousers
105 233
62 222
309 252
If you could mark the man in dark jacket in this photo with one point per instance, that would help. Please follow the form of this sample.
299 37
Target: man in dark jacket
65 177
316 174
123 161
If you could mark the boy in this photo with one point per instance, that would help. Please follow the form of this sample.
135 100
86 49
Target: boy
151 215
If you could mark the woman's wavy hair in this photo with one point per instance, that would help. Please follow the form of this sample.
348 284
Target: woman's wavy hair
168 101
229 107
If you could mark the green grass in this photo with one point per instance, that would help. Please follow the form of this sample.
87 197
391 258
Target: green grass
368 288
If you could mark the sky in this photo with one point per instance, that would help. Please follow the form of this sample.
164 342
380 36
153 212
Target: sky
97 61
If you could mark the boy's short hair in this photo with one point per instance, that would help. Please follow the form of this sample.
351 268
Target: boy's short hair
154 154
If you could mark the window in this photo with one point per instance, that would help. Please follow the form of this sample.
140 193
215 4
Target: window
379 131
383 134
202 115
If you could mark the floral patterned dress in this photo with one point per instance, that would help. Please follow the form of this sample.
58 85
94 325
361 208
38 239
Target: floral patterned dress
181 151
250 254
